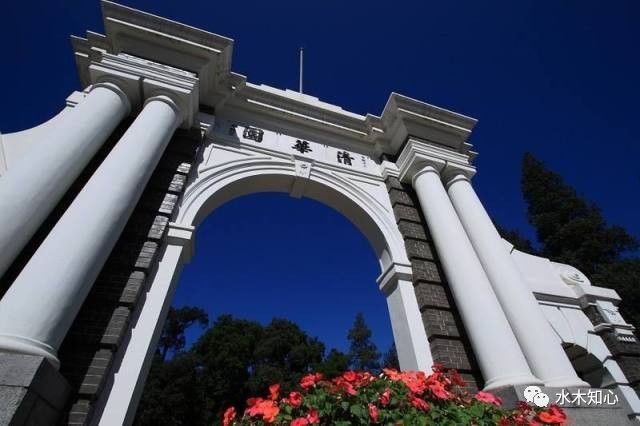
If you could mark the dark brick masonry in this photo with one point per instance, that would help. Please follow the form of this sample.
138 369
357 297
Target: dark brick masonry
88 352
449 343
627 354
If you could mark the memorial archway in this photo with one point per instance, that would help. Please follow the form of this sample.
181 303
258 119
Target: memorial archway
211 187
155 89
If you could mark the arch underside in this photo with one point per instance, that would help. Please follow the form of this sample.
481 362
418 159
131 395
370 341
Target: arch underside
217 184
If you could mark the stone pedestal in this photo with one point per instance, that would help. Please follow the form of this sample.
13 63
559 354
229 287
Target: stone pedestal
32 392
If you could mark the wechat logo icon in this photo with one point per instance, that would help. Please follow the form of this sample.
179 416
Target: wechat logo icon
534 395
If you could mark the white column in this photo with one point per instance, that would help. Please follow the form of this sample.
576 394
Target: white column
40 306
29 191
496 348
409 334
546 357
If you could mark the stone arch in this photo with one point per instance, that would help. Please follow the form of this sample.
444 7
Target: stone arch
213 185
217 185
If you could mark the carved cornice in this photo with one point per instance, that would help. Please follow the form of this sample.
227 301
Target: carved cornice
416 155
142 79
405 118
174 48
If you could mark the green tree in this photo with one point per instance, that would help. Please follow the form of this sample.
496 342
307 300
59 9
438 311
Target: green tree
517 239
390 358
363 353
178 321
227 353
573 231
283 355
334 364
569 229
174 393
623 276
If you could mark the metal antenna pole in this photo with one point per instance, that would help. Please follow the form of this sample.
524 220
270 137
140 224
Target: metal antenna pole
301 67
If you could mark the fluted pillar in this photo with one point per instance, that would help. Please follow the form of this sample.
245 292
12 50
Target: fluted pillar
541 347
40 306
500 358
29 191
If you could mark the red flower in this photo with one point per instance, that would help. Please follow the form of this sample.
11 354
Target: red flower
229 416
438 367
295 399
553 415
392 374
385 398
263 407
274 391
373 413
438 390
350 376
313 417
456 378
300 421
310 380
342 383
415 381
488 398
419 403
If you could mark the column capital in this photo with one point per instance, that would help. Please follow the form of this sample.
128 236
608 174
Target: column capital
115 88
417 155
141 79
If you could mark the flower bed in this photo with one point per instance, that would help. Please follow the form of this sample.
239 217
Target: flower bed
392 398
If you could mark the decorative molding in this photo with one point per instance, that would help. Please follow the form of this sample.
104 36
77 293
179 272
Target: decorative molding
142 79
416 155
184 236
151 42
404 118
301 177
388 279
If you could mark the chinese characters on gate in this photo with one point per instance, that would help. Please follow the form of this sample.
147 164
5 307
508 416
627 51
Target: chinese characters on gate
302 146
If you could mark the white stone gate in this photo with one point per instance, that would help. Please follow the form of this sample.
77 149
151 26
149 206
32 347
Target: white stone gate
456 292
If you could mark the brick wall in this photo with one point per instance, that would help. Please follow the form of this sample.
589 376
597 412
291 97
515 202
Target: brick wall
88 352
447 338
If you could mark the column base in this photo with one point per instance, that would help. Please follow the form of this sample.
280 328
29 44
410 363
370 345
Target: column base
566 382
32 391
23 345
506 381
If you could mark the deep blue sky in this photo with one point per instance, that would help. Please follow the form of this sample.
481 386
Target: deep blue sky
559 79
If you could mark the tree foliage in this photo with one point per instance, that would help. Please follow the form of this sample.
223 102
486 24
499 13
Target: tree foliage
178 320
519 241
334 364
571 230
232 360
390 358
363 353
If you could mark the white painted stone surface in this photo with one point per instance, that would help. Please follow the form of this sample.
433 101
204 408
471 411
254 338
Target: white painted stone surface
546 358
76 248
30 189
34 316
500 358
